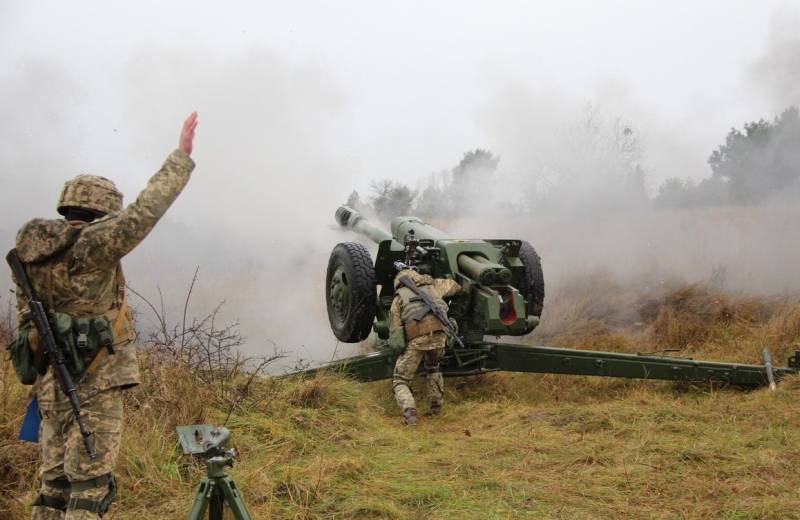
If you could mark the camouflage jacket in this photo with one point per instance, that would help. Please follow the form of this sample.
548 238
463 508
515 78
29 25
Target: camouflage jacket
75 268
438 288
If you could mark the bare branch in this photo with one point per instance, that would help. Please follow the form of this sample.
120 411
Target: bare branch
158 315
186 305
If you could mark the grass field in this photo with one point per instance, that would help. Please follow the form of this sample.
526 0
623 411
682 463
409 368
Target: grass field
507 445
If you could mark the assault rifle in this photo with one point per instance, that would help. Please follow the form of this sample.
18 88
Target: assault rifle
54 355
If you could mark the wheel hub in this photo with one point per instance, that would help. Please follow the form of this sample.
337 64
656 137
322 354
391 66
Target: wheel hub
340 294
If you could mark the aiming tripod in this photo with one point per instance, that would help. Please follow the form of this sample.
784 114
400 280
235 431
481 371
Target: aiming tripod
217 489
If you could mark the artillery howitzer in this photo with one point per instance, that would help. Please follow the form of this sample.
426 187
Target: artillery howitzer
504 293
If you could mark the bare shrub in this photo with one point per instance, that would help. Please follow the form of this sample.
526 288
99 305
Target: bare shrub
586 312
191 365
674 328
692 314
323 390
784 327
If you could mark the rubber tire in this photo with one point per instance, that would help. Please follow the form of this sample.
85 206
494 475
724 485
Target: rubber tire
357 266
533 280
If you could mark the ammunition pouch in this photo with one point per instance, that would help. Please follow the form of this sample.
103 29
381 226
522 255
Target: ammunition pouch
80 339
427 325
27 362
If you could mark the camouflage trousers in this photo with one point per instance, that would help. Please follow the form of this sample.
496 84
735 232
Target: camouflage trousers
67 473
404 371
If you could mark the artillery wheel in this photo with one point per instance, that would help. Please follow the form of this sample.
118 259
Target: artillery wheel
533 281
350 292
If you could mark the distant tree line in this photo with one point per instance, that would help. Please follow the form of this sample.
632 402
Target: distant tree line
758 164
445 195
601 169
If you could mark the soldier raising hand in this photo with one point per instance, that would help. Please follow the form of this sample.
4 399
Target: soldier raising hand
187 134
74 266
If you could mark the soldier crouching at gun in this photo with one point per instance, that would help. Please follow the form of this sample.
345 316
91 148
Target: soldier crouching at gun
419 320
75 330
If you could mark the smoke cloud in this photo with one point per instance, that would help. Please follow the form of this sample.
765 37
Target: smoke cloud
255 216
776 72
290 126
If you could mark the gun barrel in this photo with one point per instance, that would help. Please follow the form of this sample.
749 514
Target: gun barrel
351 219
483 271
402 226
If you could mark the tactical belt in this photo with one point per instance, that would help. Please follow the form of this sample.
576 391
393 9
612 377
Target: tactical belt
427 325
50 501
99 507
59 483
95 506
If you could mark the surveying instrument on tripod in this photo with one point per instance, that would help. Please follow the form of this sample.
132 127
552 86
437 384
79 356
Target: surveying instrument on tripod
217 489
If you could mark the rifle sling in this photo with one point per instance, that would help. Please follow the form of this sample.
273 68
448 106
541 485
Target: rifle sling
424 297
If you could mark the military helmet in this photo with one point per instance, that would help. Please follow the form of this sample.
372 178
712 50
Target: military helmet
90 192
417 278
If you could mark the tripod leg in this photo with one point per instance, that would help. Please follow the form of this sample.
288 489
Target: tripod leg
201 499
228 489
217 502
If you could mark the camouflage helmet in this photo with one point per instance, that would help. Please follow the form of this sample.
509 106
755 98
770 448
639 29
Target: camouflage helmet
90 192
417 278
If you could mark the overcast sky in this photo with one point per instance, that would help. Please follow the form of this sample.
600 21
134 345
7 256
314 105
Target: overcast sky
300 102
409 86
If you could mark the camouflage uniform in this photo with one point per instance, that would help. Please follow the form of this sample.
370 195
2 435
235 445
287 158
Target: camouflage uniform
75 268
425 337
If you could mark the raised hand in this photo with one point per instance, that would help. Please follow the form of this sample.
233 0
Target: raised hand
187 133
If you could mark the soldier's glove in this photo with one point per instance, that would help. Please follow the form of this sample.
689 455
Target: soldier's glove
397 340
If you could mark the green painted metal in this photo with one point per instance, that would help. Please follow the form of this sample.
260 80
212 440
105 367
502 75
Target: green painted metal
402 226
491 357
490 269
368 367
521 358
493 274
352 220
217 492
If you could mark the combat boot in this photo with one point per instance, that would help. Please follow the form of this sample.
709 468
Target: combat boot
410 416
436 408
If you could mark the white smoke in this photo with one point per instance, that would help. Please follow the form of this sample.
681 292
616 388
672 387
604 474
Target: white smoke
776 72
299 106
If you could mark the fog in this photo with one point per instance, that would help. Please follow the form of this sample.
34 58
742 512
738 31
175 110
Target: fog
775 74
301 103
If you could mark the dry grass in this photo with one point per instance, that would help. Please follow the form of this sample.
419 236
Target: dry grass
17 460
507 446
